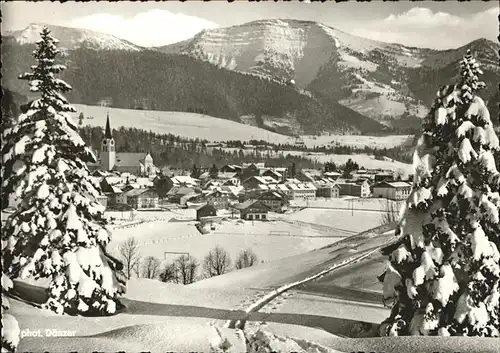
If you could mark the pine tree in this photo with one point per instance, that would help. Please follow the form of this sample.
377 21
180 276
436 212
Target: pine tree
443 276
195 172
58 229
10 326
214 172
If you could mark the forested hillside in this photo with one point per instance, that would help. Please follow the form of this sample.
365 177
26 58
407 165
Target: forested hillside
158 81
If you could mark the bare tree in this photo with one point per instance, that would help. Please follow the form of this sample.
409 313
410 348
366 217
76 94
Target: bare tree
182 270
170 273
151 267
217 262
130 256
186 267
390 212
246 258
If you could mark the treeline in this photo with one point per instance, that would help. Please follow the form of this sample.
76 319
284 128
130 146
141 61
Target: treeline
182 153
398 153
152 80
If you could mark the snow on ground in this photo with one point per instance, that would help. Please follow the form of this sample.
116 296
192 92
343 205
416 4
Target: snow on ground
364 160
190 125
175 231
359 141
350 61
367 161
295 268
356 220
158 317
162 316
157 238
358 203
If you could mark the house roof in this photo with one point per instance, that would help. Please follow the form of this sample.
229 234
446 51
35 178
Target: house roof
126 159
273 193
204 206
204 175
116 189
217 191
258 165
181 190
184 179
227 175
282 187
247 204
136 192
235 190
275 172
393 184
331 174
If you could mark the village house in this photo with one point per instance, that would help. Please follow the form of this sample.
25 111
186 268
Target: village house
249 171
326 189
218 198
308 175
178 194
231 168
396 190
273 174
302 191
254 182
359 188
205 211
275 201
142 198
252 210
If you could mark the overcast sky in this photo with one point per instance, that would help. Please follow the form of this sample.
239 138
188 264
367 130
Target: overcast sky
423 24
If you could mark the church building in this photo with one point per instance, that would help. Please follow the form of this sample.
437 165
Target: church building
123 162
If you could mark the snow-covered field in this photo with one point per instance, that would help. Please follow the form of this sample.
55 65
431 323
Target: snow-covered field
375 204
364 160
367 161
283 232
358 141
190 125
355 221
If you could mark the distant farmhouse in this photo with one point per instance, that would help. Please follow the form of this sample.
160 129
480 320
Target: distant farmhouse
135 163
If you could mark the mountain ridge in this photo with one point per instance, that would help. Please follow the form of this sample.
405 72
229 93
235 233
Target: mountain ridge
371 77
71 38
362 82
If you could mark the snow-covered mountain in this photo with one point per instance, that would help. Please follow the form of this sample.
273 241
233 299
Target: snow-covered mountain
72 38
370 77
363 82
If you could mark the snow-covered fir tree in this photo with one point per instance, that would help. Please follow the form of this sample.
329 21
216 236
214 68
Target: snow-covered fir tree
10 326
443 276
58 230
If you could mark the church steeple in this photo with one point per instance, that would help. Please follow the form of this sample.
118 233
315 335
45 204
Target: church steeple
108 153
107 134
